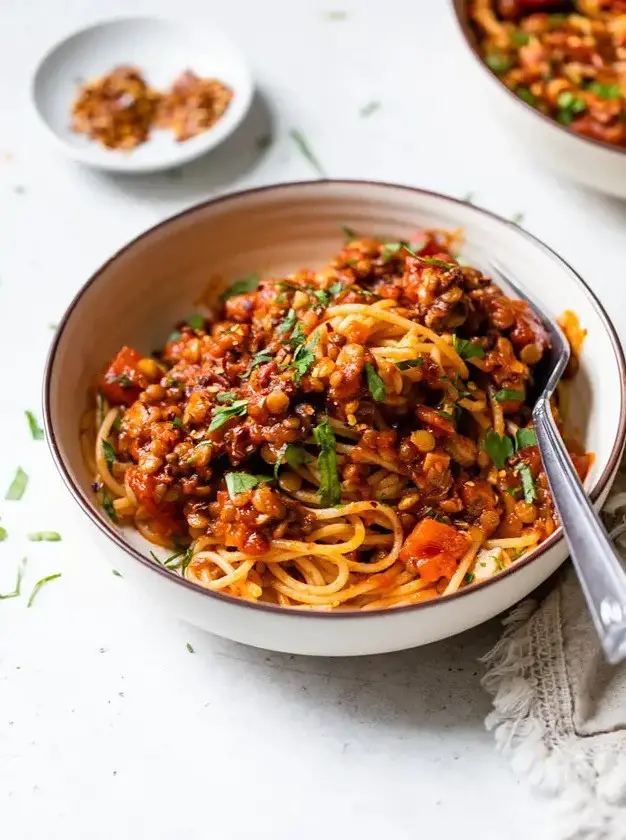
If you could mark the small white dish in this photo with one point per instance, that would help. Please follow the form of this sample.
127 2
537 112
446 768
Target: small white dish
162 49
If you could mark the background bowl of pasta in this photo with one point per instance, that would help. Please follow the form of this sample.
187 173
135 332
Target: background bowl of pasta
554 73
181 266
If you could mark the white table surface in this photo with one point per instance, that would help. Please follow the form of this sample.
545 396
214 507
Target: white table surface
109 727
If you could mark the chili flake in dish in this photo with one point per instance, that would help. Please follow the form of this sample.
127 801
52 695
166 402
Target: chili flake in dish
117 110
193 105
567 60
355 437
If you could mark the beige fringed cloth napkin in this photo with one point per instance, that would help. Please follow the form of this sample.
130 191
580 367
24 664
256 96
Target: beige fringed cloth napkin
559 709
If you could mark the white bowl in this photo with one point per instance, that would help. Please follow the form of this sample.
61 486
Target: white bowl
162 49
593 163
153 282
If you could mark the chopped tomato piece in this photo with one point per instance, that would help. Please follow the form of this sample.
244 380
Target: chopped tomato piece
144 486
122 381
433 549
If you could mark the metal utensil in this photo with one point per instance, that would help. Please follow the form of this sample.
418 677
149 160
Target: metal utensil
597 564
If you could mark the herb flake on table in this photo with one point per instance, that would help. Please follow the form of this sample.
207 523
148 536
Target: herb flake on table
330 485
36 432
336 15
305 150
44 536
189 647
3 534
18 583
116 573
370 108
38 586
517 218
18 486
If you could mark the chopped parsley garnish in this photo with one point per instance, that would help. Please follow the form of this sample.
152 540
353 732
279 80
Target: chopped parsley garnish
107 504
390 249
375 384
303 358
499 449
519 38
527 95
508 395
169 560
39 585
410 363
466 348
469 577
323 296
239 482
189 647
468 198
528 485
3 534
196 322
122 380
517 218
18 486
116 573
569 106
330 487
241 286
187 557
36 432
513 491
288 323
176 422
606 91
369 109
524 438
173 336
292 454
18 583
336 15
429 260
297 337
223 414
44 536
109 453
498 62
117 423
259 358
336 288
349 233
226 396
305 150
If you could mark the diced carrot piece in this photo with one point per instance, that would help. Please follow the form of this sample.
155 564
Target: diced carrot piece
122 381
433 549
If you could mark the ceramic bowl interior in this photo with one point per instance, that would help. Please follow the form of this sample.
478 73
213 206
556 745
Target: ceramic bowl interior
162 49
158 279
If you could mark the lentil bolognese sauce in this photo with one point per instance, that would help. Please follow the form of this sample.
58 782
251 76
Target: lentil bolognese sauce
566 59
356 437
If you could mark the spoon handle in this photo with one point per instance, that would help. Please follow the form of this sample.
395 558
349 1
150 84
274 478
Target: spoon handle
597 564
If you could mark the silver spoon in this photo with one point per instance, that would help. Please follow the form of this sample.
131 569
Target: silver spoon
597 564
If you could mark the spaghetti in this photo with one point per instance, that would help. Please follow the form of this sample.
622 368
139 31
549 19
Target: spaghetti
358 437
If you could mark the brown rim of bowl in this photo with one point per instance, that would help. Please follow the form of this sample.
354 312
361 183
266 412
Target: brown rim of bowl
88 506
459 8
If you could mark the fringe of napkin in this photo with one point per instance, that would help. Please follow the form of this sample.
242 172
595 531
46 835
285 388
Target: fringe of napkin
536 717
